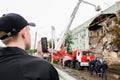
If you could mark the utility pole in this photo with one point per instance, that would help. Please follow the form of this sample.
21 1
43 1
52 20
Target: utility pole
35 40
52 30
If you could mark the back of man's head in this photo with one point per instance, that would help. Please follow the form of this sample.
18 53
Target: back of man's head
10 26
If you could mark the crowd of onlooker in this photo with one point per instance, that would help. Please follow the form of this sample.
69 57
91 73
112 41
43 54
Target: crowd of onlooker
99 67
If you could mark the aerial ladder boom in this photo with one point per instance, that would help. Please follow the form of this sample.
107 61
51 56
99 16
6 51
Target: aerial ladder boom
62 38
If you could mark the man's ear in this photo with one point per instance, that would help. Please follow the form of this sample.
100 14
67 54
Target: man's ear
23 32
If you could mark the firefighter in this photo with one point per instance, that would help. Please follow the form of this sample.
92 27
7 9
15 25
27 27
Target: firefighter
91 66
104 68
98 67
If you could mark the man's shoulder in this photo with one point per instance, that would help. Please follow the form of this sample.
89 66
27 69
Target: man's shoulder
37 67
35 63
32 59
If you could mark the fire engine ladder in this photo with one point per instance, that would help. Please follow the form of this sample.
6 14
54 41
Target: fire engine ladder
61 40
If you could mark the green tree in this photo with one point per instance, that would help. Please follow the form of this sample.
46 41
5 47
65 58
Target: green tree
50 43
68 42
31 51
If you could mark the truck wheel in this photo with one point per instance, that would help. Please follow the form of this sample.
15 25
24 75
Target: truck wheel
77 66
71 64
67 63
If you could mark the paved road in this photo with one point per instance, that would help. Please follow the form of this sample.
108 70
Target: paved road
64 76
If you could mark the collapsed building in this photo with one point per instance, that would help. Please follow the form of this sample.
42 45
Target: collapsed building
100 33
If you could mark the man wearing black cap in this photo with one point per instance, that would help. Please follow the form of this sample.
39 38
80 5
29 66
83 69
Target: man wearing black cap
15 63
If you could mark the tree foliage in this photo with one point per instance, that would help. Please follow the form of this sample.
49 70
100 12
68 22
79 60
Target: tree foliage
32 51
68 42
50 43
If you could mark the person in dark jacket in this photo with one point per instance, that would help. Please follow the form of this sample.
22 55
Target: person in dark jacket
15 63
104 67
98 67
91 66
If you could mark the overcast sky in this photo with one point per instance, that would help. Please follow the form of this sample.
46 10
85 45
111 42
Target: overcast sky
47 13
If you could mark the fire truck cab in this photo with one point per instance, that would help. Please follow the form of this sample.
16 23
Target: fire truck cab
80 59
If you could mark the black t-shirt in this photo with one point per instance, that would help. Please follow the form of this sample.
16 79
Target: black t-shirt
16 64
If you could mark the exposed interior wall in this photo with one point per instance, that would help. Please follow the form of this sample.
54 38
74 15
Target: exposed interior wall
101 41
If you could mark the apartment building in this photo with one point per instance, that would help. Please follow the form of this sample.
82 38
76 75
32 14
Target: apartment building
93 34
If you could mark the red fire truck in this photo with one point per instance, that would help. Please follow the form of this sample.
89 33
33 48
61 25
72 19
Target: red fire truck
78 59
59 53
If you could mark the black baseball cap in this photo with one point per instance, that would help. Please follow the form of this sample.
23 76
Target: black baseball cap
12 23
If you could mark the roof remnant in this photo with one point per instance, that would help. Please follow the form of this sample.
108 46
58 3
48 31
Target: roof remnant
94 24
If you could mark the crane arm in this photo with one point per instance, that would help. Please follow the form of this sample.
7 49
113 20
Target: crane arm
62 38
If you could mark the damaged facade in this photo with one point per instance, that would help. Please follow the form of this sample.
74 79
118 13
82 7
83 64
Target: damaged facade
99 36
100 39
